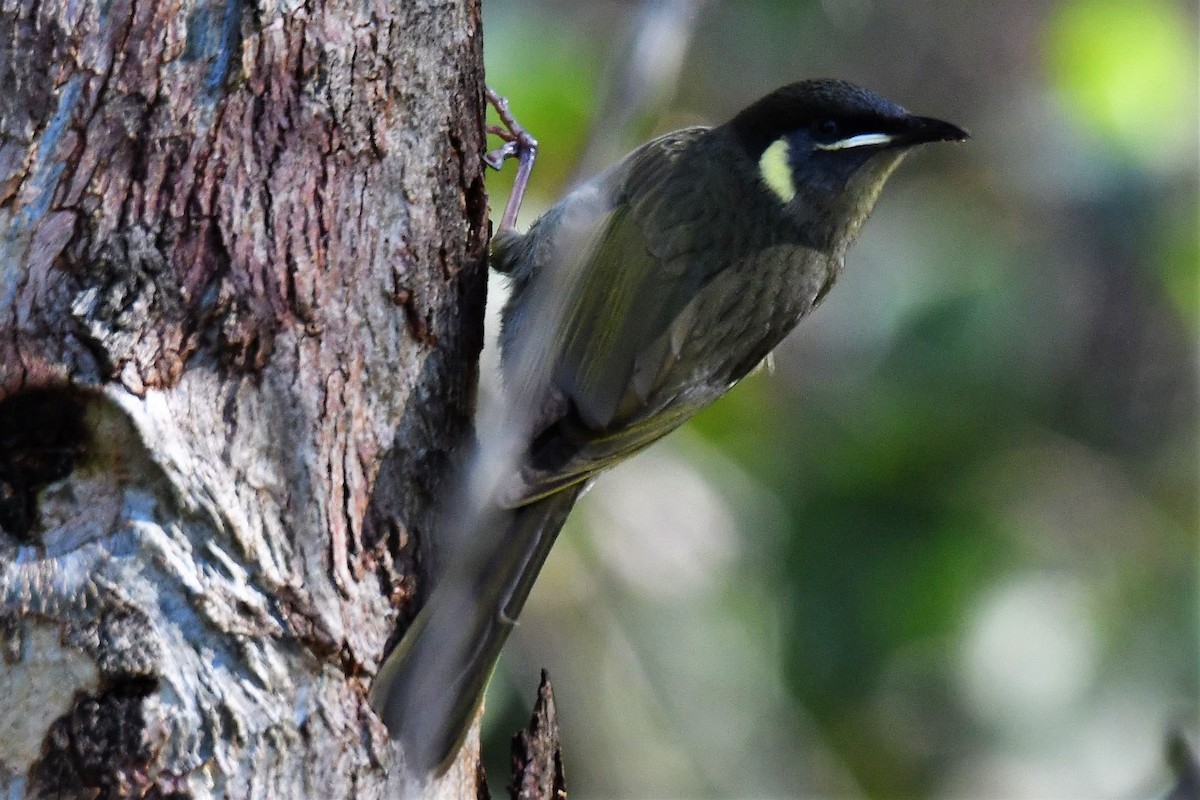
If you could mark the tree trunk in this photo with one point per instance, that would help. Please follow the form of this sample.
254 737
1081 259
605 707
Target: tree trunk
241 290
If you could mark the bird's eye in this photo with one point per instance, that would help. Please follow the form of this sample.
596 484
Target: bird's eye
827 129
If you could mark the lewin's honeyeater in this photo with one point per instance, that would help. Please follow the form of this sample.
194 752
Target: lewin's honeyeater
637 300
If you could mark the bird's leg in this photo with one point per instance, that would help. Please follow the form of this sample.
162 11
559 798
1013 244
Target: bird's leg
518 143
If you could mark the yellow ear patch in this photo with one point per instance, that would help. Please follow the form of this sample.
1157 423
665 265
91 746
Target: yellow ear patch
776 170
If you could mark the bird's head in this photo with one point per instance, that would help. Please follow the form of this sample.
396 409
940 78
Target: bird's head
824 149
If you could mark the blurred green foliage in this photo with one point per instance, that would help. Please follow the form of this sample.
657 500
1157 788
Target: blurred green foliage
963 555
1122 64
550 85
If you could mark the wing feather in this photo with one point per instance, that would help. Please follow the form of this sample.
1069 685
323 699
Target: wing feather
618 301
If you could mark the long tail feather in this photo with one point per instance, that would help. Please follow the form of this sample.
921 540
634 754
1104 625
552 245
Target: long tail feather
430 686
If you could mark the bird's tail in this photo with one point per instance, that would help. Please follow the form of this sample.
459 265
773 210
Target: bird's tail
429 687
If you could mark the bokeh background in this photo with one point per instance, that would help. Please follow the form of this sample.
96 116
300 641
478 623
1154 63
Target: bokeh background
947 547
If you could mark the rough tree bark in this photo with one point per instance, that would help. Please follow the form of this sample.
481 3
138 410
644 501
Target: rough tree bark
241 288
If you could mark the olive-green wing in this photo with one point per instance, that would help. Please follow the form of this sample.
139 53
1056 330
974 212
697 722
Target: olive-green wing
659 246
633 286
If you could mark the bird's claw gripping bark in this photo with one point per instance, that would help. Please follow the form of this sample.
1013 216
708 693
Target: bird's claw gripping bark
519 144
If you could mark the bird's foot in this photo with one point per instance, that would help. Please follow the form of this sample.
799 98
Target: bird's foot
519 144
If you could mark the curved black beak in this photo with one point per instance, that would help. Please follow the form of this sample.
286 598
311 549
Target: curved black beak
927 129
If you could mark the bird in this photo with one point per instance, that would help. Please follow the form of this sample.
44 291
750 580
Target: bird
640 298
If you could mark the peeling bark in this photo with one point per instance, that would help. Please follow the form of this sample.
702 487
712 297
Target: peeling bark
241 288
